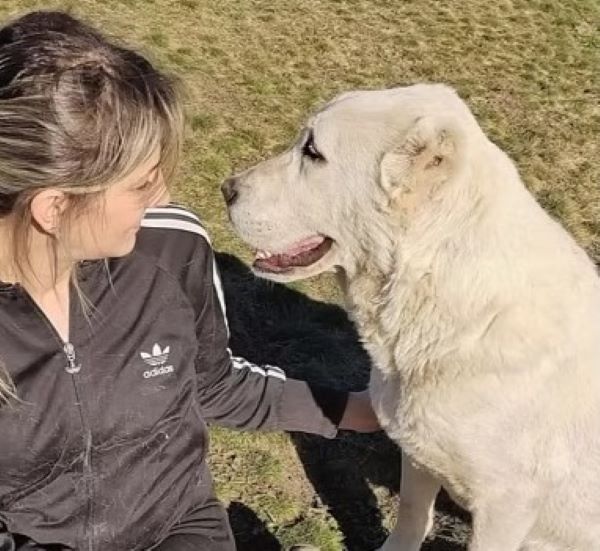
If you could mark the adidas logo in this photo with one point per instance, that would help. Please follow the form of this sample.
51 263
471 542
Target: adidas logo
158 356
157 359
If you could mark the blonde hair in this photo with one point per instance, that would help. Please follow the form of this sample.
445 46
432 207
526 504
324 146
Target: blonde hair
77 113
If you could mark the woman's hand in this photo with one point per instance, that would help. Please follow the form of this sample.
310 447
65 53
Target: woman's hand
359 415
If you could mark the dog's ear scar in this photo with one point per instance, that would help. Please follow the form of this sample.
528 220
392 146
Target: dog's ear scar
426 145
431 139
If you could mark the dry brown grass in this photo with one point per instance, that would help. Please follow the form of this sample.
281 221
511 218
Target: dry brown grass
253 68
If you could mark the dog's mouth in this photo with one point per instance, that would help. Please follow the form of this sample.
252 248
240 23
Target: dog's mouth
302 254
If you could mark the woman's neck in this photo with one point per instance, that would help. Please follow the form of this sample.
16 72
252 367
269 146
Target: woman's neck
45 270
46 276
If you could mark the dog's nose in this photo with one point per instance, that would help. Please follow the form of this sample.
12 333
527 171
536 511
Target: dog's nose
229 188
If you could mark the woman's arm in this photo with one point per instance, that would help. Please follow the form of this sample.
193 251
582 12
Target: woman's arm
233 391
237 393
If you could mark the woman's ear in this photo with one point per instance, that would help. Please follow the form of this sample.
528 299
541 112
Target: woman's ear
47 208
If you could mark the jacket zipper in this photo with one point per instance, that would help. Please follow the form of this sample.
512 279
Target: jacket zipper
73 367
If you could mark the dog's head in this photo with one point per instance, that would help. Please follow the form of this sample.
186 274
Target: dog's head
361 168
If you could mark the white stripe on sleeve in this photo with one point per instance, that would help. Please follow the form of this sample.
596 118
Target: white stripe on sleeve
265 371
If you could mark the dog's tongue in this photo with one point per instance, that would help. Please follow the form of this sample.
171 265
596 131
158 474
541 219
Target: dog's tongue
304 253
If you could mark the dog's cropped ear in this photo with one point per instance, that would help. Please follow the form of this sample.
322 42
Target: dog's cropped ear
427 155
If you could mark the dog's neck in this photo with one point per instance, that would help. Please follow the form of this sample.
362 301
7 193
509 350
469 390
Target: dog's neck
393 290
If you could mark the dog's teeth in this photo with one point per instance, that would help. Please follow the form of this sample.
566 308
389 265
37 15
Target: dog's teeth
263 254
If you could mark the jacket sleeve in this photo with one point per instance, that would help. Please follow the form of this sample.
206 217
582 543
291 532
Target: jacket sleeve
236 393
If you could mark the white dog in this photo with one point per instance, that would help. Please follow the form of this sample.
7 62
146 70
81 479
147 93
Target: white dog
481 313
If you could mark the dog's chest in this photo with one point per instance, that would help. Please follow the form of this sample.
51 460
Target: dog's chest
406 335
418 420
412 418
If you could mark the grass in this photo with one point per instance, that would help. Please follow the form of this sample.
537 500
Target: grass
253 68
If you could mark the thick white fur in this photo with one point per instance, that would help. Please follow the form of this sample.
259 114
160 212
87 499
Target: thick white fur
481 313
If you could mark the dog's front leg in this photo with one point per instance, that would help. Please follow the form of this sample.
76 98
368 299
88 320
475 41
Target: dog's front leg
415 512
502 524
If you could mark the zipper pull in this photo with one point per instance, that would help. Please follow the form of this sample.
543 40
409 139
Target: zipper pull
73 366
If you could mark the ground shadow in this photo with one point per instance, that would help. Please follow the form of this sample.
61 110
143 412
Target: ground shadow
316 342
251 533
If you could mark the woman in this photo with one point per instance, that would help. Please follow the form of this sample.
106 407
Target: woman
113 335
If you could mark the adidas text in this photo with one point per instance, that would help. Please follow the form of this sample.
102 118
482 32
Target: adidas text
164 370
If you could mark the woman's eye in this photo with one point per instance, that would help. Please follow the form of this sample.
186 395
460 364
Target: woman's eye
310 150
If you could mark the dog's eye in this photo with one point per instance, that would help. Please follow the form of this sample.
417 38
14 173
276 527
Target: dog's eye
310 150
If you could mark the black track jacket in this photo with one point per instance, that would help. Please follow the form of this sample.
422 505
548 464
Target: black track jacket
105 450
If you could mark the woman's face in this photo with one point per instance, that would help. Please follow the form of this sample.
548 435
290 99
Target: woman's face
109 228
